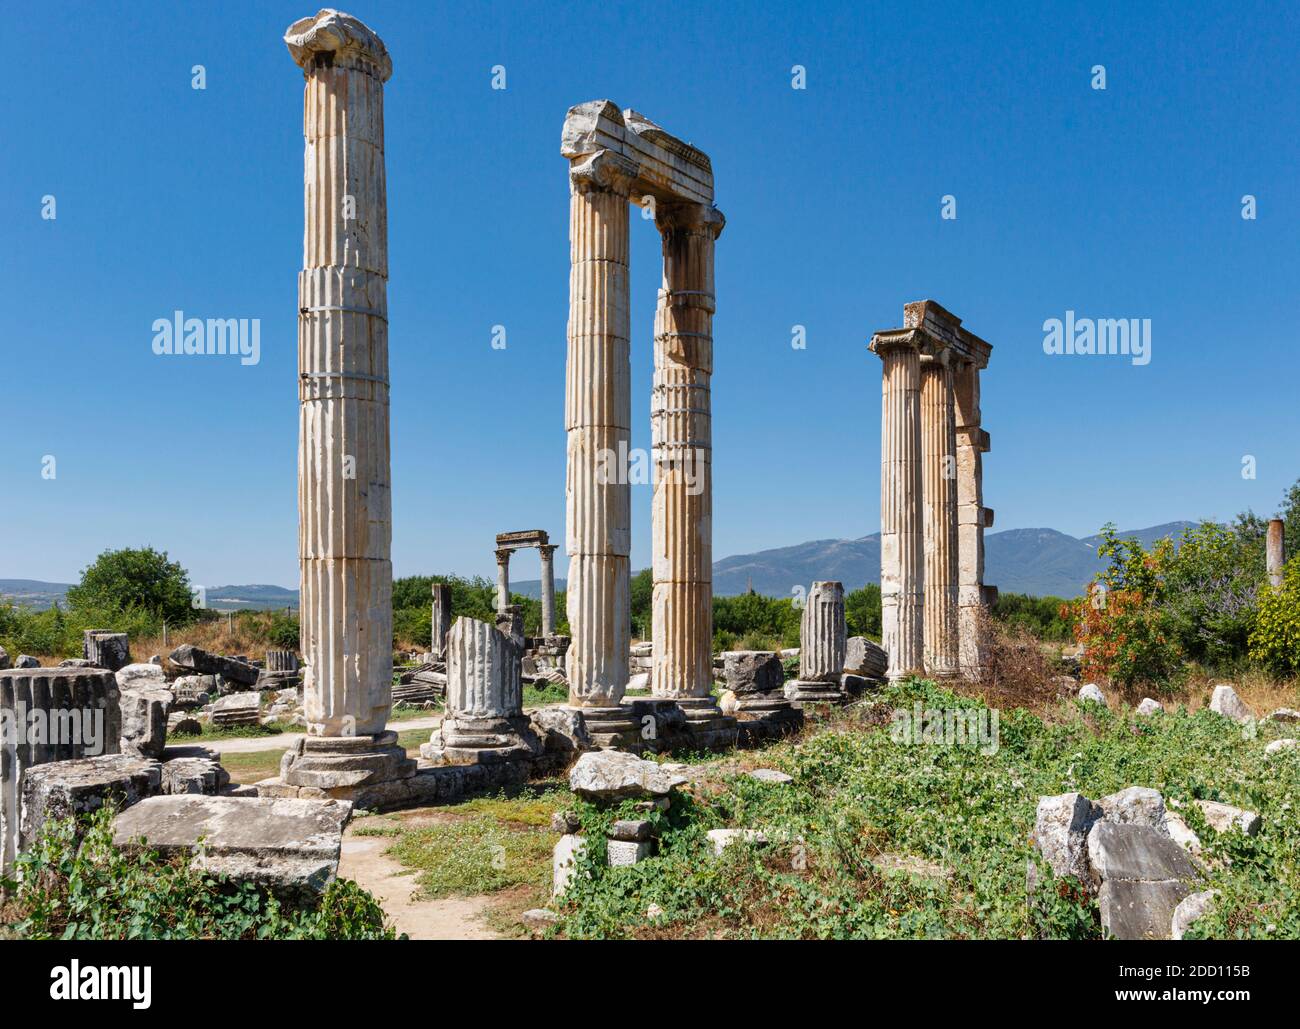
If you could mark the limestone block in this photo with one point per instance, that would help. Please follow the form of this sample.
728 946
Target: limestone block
564 858
863 657
144 719
290 846
1224 701
1137 805
628 852
1149 707
193 775
27 661
1226 818
1189 910
1280 747
109 650
141 676
1061 829
721 839
753 671
1091 693
65 789
612 775
194 660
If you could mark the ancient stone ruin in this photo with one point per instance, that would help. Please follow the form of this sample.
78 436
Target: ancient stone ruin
932 513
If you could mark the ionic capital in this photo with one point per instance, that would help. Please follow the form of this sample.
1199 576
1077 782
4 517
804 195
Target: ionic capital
330 36
603 172
699 219
895 339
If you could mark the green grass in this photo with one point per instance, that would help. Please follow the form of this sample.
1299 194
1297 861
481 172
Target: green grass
237 732
541 696
485 845
861 801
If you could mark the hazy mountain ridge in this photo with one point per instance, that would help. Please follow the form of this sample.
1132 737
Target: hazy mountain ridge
1043 562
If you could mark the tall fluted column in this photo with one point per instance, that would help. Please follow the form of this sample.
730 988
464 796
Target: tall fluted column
547 552
681 432
503 581
901 544
598 419
344 507
972 519
939 499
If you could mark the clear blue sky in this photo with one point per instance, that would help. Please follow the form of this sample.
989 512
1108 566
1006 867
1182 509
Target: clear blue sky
1122 203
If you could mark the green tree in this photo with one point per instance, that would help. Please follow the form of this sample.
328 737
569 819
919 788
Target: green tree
135 579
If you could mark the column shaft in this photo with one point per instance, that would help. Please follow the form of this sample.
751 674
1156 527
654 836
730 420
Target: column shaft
547 552
598 419
901 544
344 517
681 432
972 442
503 581
939 499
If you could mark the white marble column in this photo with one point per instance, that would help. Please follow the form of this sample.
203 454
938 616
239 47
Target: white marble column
681 430
901 543
972 519
598 419
503 581
939 500
344 508
547 553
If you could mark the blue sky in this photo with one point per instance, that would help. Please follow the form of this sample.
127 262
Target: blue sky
1123 203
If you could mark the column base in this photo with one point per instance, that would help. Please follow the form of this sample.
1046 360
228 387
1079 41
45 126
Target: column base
703 715
474 741
803 691
614 727
343 765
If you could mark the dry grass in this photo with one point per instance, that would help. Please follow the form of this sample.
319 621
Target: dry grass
247 637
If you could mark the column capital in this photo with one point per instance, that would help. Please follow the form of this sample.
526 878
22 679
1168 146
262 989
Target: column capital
503 556
703 219
603 172
329 36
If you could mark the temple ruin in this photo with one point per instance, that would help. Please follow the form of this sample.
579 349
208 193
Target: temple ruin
617 158
932 513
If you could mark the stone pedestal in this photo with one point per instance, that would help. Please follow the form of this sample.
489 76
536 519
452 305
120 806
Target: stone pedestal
344 504
598 420
50 714
485 719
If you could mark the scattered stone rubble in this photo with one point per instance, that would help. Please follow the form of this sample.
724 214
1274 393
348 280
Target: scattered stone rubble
1136 857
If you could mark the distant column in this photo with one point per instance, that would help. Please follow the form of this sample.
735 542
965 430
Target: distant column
939 499
1276 551
503 581
441 620
547 551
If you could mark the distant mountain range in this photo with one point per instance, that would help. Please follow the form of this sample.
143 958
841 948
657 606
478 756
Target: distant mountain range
40 595
1042 562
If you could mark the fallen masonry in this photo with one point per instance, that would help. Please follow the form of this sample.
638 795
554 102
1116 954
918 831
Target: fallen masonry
289 846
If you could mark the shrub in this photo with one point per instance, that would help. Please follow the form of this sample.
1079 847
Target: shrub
139 579
1275 637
